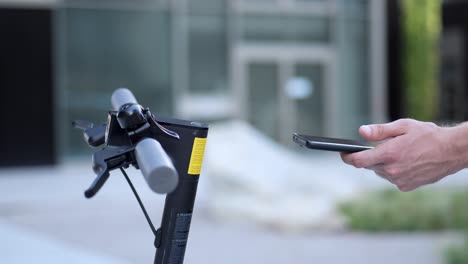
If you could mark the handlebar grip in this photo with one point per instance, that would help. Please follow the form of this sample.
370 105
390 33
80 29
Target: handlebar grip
156 166
121 97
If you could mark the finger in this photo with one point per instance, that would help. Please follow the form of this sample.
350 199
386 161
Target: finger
345 157
379 170
413 184
380 132
364 159
379 173
383 176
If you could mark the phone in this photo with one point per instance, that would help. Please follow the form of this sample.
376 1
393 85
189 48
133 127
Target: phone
330 144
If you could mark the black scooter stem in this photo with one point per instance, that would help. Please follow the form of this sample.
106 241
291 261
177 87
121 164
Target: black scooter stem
187 155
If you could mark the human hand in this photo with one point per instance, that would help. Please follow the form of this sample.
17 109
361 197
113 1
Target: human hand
413 154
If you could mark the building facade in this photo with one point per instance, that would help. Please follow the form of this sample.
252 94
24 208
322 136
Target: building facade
310 66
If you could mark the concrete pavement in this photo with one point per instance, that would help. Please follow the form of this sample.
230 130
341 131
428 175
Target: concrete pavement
44 217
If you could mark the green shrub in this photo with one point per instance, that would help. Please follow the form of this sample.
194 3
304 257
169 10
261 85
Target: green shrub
391 210
457 254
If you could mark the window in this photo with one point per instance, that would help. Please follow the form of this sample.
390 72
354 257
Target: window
103 50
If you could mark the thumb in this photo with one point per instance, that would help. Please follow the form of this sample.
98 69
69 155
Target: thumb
382 131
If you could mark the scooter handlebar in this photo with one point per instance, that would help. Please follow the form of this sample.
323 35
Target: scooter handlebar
156 166
121 97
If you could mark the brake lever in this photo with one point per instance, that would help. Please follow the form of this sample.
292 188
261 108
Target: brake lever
101 178
154 124
104 161
94 136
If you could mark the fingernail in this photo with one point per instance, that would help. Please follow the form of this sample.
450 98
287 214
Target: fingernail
366 129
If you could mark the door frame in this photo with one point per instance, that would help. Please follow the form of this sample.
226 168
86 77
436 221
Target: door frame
285 56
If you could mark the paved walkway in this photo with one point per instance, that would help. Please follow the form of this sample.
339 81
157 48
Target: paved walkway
44 218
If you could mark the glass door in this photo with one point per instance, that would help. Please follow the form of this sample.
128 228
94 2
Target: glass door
263 83
284 92
305 88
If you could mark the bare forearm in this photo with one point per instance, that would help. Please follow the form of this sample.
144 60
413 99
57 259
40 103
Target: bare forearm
458 138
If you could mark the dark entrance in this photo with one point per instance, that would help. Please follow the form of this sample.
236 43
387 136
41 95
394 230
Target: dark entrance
26 87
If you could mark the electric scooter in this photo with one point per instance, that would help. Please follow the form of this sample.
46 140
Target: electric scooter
168 152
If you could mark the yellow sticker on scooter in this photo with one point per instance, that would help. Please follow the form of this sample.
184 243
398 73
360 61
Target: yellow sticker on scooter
196 160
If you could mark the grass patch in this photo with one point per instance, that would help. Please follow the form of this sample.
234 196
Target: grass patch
391 210
457 254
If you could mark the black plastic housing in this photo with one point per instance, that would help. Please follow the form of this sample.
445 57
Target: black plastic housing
178 208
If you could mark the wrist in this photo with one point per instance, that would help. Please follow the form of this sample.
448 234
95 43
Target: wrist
457 141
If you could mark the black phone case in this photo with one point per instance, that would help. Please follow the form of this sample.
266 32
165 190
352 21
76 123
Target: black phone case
330 144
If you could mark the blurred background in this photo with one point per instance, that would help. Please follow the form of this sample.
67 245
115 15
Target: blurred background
256 71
